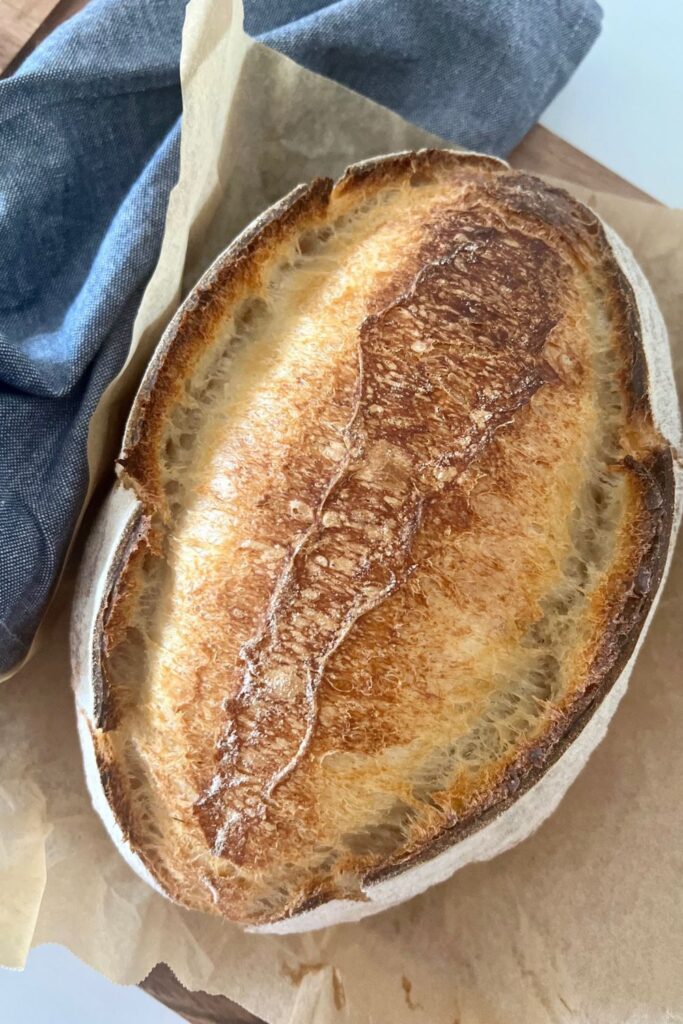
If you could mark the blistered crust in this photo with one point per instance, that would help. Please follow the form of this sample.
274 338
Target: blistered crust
437 377
452 331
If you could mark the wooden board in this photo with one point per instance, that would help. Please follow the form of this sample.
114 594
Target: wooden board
23 24
18 21
194 1007
543 152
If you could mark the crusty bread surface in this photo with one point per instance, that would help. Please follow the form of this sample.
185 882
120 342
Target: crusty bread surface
392 511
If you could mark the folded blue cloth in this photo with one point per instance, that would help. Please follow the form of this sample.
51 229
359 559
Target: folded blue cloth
89 142
477 72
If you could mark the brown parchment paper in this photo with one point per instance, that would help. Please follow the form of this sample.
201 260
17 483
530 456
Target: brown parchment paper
582 922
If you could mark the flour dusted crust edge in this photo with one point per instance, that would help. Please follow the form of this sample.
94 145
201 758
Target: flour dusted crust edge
503 826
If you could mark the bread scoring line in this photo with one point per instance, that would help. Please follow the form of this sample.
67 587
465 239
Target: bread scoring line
532 373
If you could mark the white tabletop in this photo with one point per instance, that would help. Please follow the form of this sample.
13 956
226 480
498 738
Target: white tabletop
56 988
624 104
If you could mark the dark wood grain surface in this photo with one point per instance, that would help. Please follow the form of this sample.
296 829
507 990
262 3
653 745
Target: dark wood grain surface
195 1007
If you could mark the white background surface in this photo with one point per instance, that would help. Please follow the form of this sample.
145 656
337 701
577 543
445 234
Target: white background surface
56 988
624 107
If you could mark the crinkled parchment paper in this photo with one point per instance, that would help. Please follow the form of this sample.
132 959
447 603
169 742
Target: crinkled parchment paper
582 922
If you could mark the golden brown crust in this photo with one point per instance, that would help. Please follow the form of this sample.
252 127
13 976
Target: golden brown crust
622 622
556 207
234 272
113 619
114 779
423 413
496 273
375 173
622 628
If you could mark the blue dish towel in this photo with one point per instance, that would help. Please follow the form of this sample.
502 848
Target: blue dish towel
89 143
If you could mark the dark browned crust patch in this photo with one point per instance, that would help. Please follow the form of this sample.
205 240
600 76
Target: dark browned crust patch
549 205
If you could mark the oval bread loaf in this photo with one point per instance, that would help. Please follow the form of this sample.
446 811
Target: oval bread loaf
395 502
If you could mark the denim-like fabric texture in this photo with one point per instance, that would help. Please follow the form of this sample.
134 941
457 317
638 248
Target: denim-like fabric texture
89 145
477 72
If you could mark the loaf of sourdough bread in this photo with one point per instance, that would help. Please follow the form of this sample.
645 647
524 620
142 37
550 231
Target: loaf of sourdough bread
395 500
